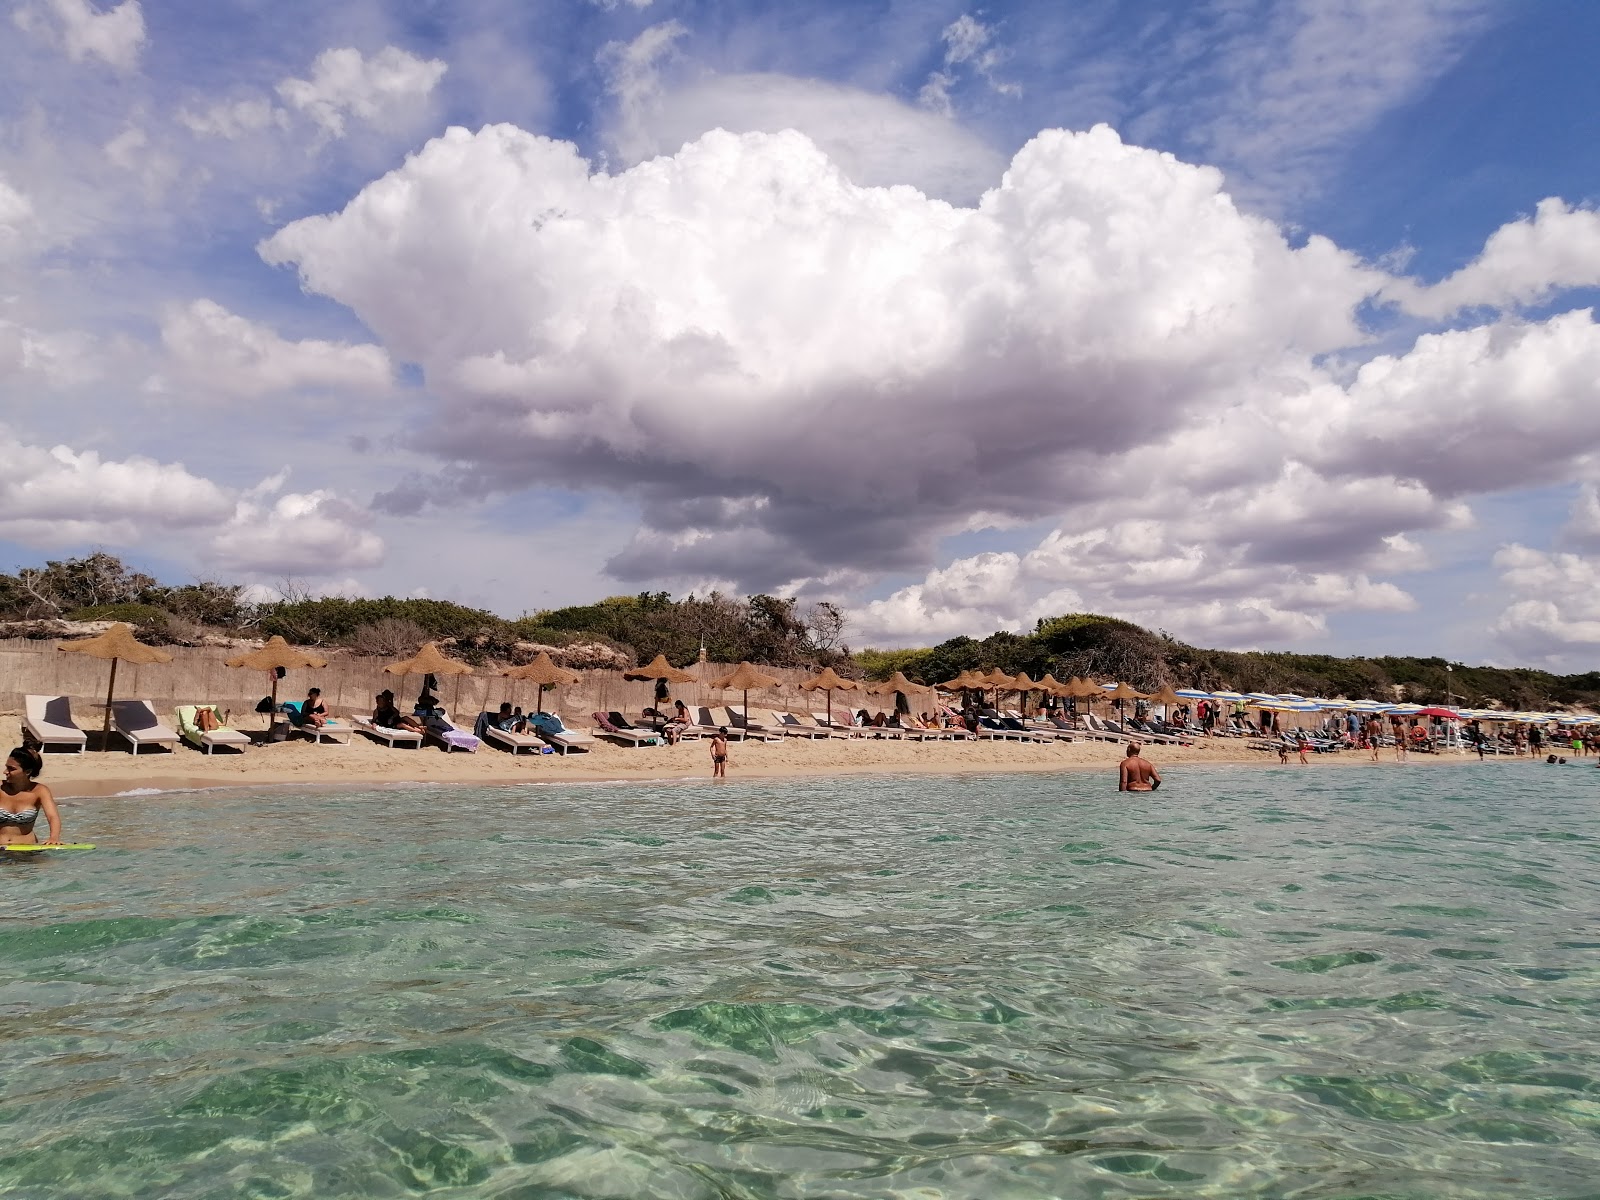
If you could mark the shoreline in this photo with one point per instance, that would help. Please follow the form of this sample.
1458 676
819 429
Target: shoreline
102 775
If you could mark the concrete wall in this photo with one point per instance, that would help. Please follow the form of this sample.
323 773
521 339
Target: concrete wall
349 683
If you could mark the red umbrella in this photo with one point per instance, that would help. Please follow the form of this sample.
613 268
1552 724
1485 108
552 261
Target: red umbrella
1435 712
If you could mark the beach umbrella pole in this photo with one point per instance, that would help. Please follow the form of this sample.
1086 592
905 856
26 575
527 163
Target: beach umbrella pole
111 690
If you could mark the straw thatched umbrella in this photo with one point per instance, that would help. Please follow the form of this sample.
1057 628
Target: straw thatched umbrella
897 684
742 678
994 678
828 680
1124 692
663 673
277 653
1022 685
1051 686
1167 697
117 644
430 660
544 672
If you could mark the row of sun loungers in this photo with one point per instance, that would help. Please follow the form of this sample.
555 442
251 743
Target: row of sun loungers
49 721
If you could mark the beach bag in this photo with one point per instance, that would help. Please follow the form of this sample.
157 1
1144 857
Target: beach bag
264 705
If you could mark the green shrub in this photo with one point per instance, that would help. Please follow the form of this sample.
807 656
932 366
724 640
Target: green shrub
133 614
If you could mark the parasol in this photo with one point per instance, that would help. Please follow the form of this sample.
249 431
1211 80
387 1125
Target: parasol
276 653
663 673
117 644
544 672
430 660
896 684
828 680
743 678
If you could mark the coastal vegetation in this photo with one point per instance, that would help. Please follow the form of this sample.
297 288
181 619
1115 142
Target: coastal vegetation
774 631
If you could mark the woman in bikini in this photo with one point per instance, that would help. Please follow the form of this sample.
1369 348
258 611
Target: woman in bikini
23 801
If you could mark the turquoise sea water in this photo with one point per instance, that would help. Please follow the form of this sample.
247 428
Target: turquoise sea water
1256 983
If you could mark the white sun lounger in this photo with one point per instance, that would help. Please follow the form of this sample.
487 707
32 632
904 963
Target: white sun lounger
751 729
450 735
136 721
568 739
394 737
514 742
792 726
49 720
707 725
207 740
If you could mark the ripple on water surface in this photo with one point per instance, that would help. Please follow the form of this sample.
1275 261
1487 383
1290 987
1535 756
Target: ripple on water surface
1261 983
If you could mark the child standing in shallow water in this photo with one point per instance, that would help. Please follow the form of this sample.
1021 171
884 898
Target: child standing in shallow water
719 754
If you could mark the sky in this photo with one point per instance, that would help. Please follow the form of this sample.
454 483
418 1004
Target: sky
1265 323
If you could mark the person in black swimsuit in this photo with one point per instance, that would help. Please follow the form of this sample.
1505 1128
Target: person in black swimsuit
23 801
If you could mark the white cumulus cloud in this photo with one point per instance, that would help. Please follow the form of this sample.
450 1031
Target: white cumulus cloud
1522 263
344 83
221 352
1554 614
312 533
876 140
798 375
57 496
114 36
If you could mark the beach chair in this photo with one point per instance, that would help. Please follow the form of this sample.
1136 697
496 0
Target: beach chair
514 742
558 735
751 729
624 725
707 725
48 720
382 733
450 736
207 740
332 731
136 721
792 726
624 736
834 727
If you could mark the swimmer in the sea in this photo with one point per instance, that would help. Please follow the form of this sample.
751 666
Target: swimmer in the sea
1137 773
23 800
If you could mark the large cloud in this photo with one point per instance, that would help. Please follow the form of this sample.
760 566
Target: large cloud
801 376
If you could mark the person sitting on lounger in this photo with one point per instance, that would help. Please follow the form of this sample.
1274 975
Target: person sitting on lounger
312 712
384 713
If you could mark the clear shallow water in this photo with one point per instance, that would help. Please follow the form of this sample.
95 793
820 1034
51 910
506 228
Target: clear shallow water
1256 983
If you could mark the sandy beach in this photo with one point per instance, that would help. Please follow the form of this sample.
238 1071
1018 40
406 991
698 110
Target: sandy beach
364 761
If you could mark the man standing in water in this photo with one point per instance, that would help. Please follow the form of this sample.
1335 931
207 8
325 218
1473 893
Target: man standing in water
1137 773
719 754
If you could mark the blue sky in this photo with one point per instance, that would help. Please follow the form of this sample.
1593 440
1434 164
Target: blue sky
1281 339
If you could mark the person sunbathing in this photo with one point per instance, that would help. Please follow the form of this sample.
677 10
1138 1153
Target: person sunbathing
385 713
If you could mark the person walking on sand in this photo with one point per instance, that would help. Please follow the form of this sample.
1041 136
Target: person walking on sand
1302 745
1137 773
719 754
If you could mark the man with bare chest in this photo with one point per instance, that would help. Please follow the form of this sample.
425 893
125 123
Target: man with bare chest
1137 773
